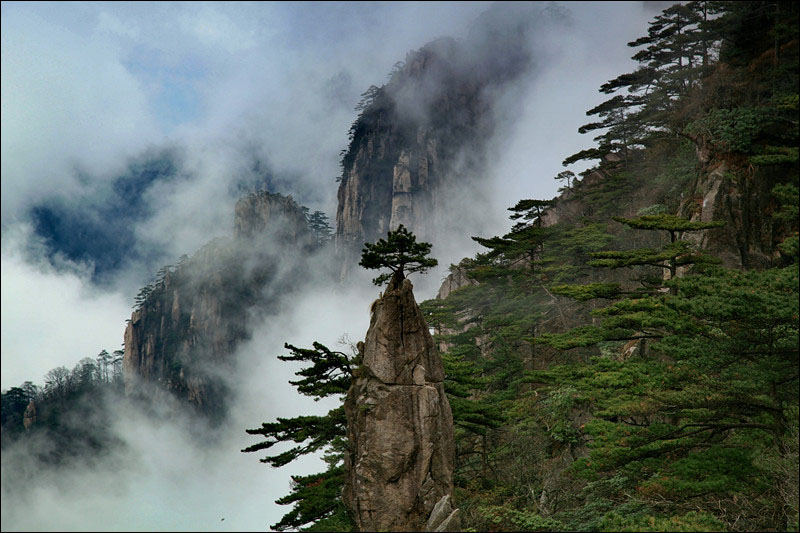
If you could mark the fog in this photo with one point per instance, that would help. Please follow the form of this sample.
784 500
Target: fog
170 475
235 89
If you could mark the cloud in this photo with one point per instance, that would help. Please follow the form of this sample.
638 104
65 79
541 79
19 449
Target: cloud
71 112
86 87
51 316
110 23
215 29
553 101
172 473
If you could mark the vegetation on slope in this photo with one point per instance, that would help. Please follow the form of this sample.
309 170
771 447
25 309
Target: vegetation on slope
605 373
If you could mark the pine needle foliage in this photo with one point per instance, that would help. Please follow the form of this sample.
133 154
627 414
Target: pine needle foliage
399 252
315 498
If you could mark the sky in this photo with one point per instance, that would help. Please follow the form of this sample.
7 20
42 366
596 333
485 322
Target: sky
129 129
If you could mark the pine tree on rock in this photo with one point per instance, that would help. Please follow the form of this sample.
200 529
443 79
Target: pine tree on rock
400 253
676 254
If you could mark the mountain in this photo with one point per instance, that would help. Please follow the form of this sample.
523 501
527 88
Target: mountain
624 358
420 143
188 323
418 139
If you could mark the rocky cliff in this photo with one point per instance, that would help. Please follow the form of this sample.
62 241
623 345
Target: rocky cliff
422 138
29 416
188 324
399 424
731 190
275 215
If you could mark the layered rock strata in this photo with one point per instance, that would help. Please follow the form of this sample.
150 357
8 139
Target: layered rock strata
399 424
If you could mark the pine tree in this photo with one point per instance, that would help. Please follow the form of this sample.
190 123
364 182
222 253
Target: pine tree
400 253
320 227
673 59
315 497
676 254
684 423
679 422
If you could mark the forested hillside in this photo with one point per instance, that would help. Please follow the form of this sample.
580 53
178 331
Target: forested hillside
625 358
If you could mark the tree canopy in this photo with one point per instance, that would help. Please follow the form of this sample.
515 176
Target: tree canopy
399 252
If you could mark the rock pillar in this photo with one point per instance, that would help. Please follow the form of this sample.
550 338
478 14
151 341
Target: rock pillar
399 424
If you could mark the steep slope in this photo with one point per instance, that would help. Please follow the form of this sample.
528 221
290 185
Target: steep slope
421 139
188 324
636 396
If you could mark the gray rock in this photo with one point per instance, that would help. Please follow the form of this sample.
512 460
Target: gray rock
400 426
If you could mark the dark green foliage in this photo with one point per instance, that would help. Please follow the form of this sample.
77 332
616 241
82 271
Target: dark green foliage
589 291
670 257
788 198
673 57
400 253
320 227
72 413
313 432
672 406
330 372
675 408
682 425
530 211
14 402
679 253
317 497
666 222
590 153
568 176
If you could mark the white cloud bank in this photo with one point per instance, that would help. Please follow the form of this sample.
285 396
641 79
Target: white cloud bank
51 317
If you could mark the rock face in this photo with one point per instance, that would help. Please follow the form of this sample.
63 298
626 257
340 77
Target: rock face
421 139
183 334
456 279
399 424
398 164
739 194
261 212
29 416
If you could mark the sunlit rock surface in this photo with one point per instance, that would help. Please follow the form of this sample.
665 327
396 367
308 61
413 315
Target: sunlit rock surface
400 426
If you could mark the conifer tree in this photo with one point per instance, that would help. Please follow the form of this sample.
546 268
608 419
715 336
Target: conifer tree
679 423
315 497
671 256
400 253
320 227
673 58
682 424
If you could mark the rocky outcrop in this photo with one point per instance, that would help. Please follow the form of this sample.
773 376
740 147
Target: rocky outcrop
29 416
406 150
456 279
729 189
262 212
185 330
422 138
399 424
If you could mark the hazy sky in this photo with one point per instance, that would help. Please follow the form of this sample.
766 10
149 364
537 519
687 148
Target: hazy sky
93 93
